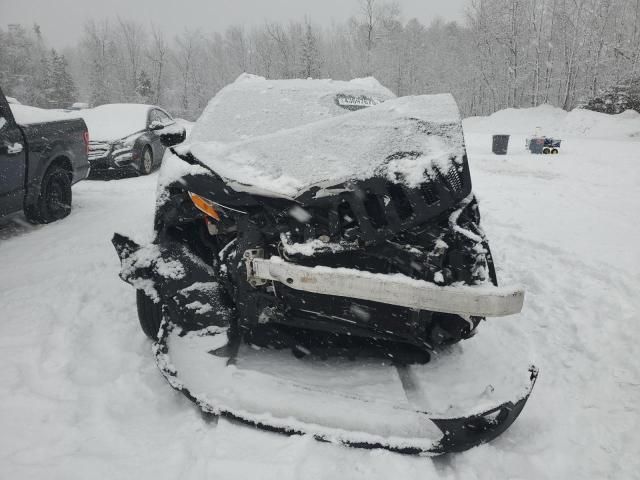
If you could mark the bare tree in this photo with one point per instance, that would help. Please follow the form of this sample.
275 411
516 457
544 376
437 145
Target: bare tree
157 55
133 38
184 56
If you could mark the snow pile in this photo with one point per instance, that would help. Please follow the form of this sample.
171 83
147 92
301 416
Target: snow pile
516 120
253 106
115 121
400 139
556 122
26 115
585 123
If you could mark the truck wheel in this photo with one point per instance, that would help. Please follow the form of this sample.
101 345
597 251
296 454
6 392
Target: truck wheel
54 201
554 151
149 314
146 161
545 150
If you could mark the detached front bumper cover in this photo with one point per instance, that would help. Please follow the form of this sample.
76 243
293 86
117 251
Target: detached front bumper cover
229 391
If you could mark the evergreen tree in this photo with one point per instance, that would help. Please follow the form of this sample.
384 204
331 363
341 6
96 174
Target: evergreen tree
62 89
43 83
309 55
144 90
98 94
42 71
16 64
617 98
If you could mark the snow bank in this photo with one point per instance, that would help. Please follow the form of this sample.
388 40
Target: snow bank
253 106
401 139
115 121
25 115
585 123
557 123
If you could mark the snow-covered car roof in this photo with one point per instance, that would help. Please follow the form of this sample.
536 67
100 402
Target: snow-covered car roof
115 120
253 106
402 139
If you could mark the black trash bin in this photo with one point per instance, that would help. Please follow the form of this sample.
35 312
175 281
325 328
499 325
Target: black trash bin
500 144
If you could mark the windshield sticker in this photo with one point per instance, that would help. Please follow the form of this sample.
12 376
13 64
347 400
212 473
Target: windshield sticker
353 102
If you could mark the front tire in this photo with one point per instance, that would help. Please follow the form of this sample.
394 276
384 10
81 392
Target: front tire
149 314
146 161
54 201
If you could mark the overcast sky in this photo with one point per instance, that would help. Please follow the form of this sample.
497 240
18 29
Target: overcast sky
61 20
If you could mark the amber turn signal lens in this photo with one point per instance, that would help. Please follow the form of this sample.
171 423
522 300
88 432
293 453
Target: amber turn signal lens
204 206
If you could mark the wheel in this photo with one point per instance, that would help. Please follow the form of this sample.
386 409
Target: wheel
554 151
545 150
146 161
149 314
54 201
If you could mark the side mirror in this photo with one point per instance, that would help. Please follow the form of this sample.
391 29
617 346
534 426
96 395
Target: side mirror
173 137
156 125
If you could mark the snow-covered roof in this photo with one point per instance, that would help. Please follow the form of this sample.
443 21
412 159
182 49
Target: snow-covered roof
253 105
26 115
401 139
115 120
13 100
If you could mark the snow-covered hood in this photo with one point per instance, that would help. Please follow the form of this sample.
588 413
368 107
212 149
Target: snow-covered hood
404 140
114 121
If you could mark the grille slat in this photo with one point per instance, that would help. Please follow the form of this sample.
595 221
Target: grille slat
453 180
98 150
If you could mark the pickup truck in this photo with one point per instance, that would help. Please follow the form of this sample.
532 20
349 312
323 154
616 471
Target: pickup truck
42 153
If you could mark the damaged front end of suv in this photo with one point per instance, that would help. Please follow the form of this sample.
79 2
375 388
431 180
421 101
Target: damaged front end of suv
367 247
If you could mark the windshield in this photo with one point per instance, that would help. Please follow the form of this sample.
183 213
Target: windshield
253 106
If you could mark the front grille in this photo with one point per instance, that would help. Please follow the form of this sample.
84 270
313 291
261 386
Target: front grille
376 209
453 180
388 207
98 150
400 200
428 194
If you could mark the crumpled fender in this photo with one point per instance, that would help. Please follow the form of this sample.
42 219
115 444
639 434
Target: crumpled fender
174 276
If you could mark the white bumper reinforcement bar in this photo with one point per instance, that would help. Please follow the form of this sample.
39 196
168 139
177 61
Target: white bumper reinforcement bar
394 289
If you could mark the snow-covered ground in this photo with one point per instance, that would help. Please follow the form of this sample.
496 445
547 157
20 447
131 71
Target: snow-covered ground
80 396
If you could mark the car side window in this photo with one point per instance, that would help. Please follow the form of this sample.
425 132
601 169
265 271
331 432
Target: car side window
159 116
153 116
164 118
